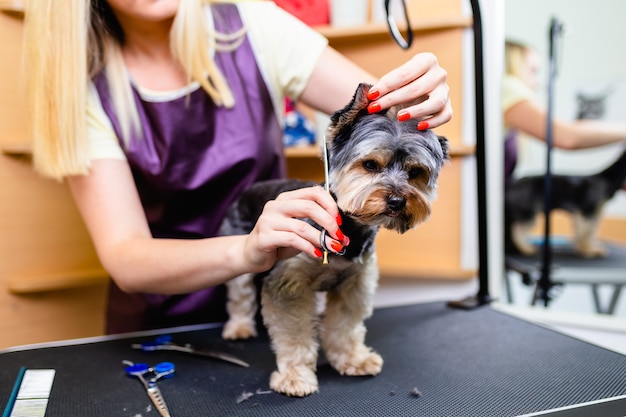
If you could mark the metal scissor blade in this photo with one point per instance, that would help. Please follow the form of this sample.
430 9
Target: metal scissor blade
155 395
193 351
214 354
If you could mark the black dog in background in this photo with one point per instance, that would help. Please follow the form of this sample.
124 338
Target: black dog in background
582 196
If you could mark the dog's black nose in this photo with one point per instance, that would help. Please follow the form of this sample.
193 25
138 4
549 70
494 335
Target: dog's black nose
396 202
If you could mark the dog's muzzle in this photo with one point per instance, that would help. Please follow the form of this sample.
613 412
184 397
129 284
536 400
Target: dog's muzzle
396 203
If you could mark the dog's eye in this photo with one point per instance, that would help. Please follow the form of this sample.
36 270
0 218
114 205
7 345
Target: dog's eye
370 165
416 172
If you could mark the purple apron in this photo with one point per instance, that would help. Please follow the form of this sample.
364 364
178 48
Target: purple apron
191 161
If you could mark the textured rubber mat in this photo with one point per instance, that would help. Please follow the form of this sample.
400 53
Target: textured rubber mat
438 362
565 256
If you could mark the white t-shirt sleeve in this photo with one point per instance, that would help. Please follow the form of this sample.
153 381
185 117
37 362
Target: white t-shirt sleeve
102 140
286 49
514 91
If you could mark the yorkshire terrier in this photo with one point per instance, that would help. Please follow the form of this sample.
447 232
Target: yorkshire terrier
382 173
581 196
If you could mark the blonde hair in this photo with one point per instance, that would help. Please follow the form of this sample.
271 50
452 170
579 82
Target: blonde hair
66 46
515 54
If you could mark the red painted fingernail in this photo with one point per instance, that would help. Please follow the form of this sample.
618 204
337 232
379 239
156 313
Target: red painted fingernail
318 252
422 125
373 108
373 94
336 246
403 115
340 235
339 220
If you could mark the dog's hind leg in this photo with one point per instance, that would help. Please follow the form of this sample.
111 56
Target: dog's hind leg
343 330
585 229
241 307
289 313
519 236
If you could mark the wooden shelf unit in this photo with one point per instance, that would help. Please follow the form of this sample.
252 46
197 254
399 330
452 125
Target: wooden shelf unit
13 7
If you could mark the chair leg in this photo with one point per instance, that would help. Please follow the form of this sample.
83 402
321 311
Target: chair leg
617 290
507 287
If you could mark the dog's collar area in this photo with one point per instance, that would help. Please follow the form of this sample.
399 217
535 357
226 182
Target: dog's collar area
361 236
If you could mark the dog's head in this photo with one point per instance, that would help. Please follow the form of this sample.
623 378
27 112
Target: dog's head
383 172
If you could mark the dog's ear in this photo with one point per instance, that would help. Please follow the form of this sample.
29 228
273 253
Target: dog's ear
345 118
445 146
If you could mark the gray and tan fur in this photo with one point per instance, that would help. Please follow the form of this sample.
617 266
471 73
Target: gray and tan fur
382 173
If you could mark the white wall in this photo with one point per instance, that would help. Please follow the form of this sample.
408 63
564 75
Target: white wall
591 58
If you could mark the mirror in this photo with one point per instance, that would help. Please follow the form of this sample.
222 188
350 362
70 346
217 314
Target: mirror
590 82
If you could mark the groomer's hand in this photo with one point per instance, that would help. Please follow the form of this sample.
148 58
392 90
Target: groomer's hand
420 85
279 233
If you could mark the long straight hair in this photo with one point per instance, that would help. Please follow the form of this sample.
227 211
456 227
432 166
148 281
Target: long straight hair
66 46
514 57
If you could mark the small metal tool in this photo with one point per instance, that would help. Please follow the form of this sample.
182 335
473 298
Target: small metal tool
327 188
164 342
149 376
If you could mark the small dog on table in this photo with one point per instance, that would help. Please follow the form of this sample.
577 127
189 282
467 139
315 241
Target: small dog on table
382 173
582 196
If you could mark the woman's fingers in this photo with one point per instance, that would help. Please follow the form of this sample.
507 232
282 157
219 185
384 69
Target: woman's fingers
313 203
420 86
280 231
398 82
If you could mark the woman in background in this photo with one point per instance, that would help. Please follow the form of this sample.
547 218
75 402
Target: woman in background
521 112
159 113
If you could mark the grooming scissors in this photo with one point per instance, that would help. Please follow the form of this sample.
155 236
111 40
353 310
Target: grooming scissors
327 188
164 342
149 375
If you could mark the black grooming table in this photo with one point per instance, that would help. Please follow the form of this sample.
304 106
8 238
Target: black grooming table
570 268
463 363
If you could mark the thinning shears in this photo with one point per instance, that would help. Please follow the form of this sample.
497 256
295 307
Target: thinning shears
149 375
164 342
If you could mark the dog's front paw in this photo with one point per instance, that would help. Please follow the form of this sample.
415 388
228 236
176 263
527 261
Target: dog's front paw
592 251
239 329
298 381
360 363
527 249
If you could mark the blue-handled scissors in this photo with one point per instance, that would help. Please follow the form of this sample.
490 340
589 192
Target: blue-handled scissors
164 342
149 375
